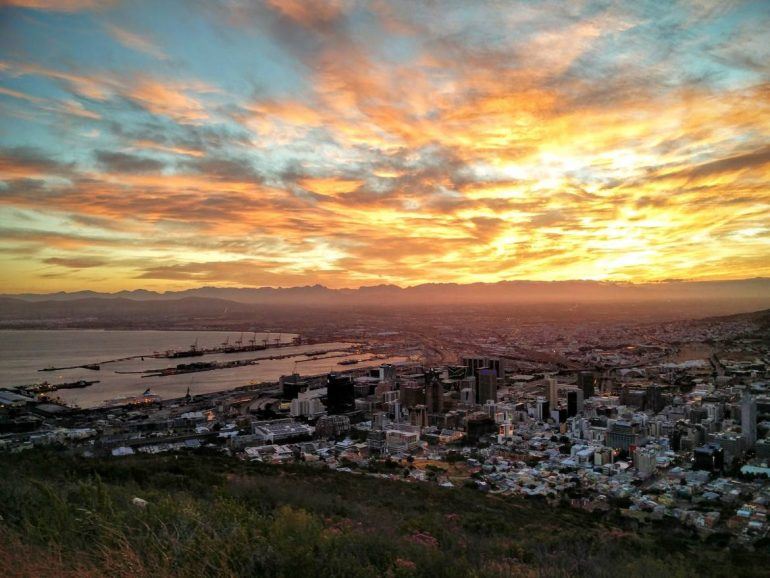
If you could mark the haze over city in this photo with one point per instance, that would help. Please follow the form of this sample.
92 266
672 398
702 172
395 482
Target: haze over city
169 145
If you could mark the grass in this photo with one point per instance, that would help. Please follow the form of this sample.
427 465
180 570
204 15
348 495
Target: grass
208 515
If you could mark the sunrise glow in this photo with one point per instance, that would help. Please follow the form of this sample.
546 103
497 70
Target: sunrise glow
175 144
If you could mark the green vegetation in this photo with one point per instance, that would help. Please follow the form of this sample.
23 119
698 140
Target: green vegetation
208 515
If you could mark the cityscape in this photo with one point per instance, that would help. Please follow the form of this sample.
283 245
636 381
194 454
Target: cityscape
654 421
384 288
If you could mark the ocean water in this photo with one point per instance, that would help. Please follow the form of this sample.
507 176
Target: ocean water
23 353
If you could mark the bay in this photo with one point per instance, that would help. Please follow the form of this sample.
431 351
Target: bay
24 352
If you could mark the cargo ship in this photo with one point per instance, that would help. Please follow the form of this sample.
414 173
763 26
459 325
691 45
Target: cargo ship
192 352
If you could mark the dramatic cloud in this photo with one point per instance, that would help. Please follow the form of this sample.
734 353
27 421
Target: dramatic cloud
271 143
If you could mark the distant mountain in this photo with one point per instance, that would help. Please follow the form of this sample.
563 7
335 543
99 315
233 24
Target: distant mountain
756 290
105 307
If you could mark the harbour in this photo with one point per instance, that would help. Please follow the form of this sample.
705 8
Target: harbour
130 362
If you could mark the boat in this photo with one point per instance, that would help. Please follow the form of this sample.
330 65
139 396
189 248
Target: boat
46 387
147 398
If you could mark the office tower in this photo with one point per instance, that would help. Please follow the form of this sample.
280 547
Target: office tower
478 426
332 426
623 435
291 385
645 460
710 457
412 394
419 416
475 364
655 400
541 409
434 393
553 392
340 394
749 419
386 372
305 406
559 415
487 388
574 402
467 396
587 382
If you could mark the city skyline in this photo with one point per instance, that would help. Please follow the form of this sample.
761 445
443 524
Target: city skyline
173 145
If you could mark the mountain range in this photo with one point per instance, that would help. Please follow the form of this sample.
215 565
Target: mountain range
755 290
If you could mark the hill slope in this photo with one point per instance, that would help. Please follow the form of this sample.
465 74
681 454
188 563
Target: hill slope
214 516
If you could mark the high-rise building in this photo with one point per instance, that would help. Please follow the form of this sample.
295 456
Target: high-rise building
474 364
749 419
340 394
553 392
541 409
385 372
655 400
434 393
622 435
487 388
586 381
332 426
574 402
419 416
710 457
645 460
479 425
412 394
305 406
291 385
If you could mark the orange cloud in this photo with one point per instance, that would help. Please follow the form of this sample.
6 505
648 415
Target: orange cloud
309 14
59 5
330 186
136 41
151 145
169 99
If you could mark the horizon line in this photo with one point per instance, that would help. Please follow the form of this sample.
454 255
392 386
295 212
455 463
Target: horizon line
606 282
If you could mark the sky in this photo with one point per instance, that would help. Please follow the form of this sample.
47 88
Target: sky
173 144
